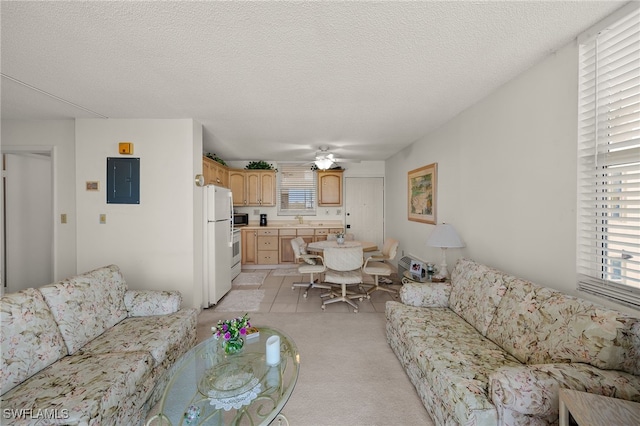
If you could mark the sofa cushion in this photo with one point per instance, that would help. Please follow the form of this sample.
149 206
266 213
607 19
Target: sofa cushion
539 325
476 291
142 303
161 335
82 389
86 305
455 359
29 337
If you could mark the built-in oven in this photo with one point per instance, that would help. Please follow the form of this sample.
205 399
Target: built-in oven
236 253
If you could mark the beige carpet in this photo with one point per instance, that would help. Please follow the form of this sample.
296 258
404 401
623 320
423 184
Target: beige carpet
348 373
250 278
241 300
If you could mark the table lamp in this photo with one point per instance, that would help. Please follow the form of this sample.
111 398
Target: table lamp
444 236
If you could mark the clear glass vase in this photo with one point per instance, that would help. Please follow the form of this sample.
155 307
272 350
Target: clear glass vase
233 346
340 240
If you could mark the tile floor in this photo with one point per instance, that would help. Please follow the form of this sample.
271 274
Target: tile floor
279 297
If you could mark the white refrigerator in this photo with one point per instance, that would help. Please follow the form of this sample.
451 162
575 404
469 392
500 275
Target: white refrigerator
218 243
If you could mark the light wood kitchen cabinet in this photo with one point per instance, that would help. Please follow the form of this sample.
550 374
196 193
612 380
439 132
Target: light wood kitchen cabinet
286 251
329 188
307 235
321 234
268 247
238 186
253 187
261 187
272 246
215 173
249 246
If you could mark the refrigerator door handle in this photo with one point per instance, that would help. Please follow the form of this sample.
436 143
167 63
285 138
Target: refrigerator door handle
231 219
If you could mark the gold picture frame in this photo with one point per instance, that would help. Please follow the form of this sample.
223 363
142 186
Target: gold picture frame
422 191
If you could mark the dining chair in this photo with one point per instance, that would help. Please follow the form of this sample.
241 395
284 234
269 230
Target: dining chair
344 268
377 266
307 264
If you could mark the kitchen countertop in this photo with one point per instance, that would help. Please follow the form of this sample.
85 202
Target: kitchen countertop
289 225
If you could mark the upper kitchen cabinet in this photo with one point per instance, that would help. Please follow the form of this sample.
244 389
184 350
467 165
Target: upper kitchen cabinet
329 188
215 173
253 187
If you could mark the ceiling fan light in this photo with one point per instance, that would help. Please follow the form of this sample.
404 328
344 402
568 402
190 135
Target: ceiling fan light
323 163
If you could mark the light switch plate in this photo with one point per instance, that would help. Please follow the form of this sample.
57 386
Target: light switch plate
103 219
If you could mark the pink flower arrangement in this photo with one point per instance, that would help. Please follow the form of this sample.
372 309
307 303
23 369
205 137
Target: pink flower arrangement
231 329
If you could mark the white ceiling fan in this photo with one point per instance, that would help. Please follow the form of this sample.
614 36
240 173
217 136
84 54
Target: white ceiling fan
325 159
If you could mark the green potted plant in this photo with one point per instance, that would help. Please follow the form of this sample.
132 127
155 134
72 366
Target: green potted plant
214 157
260 165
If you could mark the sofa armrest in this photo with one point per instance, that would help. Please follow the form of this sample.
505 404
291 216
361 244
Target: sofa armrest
534 389
427 295
143 303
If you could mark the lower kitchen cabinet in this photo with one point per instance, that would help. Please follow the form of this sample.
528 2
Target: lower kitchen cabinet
286 251
249 246
272 246
268 247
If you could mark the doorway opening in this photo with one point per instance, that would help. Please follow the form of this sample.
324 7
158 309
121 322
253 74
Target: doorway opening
27 218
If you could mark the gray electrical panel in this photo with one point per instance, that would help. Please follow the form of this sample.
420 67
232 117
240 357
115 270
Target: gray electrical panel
123 180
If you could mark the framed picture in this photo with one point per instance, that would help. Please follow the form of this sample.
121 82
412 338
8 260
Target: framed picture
418 271
92 186
423 183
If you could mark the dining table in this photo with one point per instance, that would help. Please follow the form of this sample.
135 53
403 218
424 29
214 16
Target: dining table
319 246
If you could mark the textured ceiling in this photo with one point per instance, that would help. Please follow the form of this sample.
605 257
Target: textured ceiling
276 80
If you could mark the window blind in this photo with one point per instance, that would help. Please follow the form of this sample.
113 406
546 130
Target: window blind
608 249
296 189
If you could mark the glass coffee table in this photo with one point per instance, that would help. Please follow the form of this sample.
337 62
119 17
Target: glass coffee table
209 387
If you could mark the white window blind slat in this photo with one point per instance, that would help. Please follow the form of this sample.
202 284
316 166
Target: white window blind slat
608 246
296 193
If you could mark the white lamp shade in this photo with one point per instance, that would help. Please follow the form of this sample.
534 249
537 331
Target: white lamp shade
444 236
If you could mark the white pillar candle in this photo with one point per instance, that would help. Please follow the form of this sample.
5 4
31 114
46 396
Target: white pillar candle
273 350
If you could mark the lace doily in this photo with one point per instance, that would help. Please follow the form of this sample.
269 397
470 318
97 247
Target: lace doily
234 389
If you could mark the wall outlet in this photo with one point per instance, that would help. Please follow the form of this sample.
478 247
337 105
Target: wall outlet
326 211
256 212
103 218
339 211
63 218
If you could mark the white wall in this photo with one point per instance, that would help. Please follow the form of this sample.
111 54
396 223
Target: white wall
57 136
154 242
506 178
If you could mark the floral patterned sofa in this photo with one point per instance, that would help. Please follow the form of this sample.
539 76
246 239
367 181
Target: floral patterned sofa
490 348
88 351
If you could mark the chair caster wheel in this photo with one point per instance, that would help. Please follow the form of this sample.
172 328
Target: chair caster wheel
293 287
323 307
355 311
304 295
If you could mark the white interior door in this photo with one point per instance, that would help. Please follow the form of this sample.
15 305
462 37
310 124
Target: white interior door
364 208
28 214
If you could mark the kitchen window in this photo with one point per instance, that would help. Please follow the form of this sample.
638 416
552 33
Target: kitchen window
608 250
296 195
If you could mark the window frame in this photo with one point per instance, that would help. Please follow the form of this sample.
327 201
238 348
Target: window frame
311 187
608 154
